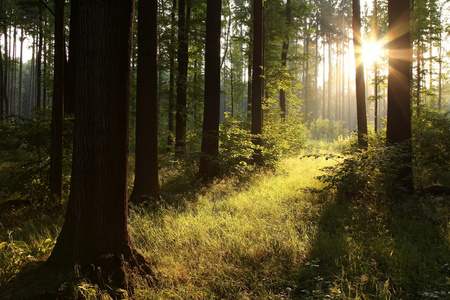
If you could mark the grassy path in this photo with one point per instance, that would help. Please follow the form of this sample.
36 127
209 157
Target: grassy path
232 242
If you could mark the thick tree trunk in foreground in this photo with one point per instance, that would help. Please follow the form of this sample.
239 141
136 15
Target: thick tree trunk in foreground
95 234
359 78
146 171
210 136
399 88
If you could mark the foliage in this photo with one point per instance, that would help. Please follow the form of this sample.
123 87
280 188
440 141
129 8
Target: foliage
324 129
236 147
431 131
369 172
25 152
267 238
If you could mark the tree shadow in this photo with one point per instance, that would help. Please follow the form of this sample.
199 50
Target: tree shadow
378 250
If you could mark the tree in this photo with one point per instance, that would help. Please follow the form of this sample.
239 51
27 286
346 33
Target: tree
399 86
210 135
146 170
360 84
284 53
58 104
257 84
95 233
183 60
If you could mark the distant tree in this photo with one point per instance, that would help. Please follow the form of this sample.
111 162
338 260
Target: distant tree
257 80
58 104
95 234
284 53
184 10
399 86
359 78
210 135
146 161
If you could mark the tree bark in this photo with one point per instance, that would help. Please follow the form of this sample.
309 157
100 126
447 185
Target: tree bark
359 76
170 138
56 158
146 184
209 165
95 235
399 88
183 57
257 80
284 52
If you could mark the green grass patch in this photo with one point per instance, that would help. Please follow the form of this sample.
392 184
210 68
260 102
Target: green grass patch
267 237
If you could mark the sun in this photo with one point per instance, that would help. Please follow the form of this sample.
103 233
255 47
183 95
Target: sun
372 52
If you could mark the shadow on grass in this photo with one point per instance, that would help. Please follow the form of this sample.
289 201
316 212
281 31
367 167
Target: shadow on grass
368 250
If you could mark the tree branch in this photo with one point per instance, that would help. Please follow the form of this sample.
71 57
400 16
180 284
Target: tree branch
47 7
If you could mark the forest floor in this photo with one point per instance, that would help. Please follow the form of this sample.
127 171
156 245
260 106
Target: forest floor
268 237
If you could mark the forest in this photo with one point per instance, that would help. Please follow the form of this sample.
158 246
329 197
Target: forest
225 149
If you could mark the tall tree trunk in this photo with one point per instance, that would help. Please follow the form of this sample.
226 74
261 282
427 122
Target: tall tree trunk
39 63
399 89
257 84
20 72
359 76
56 157
170 138
6 68
146 184
70 75
209 166
183 59
95 234
14 74
284 53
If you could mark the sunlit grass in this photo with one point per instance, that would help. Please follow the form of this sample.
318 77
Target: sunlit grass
231 241
267 238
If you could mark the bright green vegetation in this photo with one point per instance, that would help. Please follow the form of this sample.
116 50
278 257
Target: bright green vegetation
268 237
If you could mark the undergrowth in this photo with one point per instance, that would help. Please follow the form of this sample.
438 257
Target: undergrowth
268 237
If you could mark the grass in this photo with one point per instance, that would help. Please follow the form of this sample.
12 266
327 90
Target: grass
269 238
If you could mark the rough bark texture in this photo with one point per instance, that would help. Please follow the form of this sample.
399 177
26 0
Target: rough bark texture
210 135
95 236
146 168
257 86
359 78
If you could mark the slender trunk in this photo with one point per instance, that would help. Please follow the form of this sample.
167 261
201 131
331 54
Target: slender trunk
56 158
399 89
170 138
324 95
440 66
6 66
209 166
70 75
284 53
181 111
21 73
146 184
257 81
14 74
39 63
359 76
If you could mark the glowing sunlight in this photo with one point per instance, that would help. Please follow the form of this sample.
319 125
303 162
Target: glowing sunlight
372 52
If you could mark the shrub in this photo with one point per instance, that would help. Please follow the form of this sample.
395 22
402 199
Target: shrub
25 152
